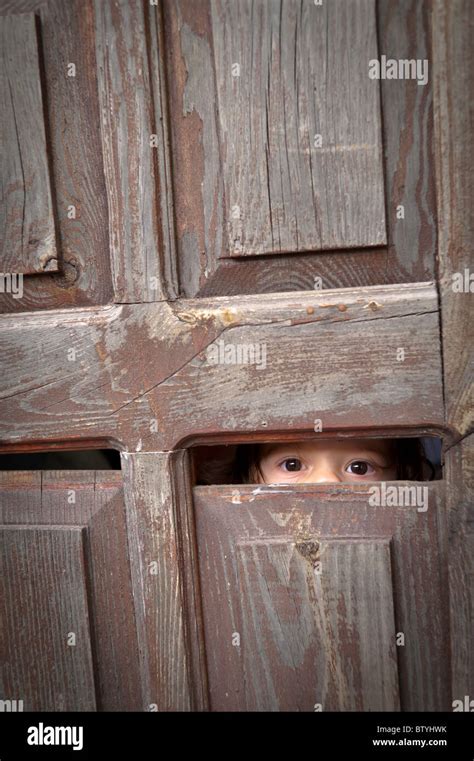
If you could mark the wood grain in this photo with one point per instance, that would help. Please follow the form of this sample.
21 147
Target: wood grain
301 272
141 376
67 569
28 243
75 155
139 379
303 72
453 25
20 6
44 600
327 638
405 33
459 474
167 618
454 83
128 122
255 151
258 549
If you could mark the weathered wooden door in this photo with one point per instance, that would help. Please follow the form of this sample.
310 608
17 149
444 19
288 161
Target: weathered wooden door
180 174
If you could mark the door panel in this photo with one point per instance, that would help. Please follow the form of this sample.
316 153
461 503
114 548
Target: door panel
26 210
326 637
67 572
66 58
45 606
316 637
248 177
290 161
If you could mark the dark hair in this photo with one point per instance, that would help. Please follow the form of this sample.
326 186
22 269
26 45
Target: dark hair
247 456
409 454
412 463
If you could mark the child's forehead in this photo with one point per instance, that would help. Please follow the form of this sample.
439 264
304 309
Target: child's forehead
318 445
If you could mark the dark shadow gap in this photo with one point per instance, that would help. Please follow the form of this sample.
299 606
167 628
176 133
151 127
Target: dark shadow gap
412 459
82 459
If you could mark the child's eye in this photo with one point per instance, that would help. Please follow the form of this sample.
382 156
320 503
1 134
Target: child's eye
360 468
291 464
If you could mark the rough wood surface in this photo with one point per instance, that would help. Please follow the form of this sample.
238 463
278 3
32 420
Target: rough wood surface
167 611
138 376
28 239
258 550
299 272
303 73
453 29
66 569
454 83
75 155
248 179
405 33
141 376
459 474
20 6
294 627
193 34
128 122
44 600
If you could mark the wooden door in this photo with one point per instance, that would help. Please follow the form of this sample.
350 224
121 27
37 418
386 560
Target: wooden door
181 174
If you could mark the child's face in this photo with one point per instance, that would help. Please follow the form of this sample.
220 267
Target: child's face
327 461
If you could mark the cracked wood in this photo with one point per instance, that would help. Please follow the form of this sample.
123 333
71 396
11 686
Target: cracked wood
142 367
26 210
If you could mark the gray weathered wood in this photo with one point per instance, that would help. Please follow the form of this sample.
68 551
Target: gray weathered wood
405 33
303 72
44 601
258 550
128 122
28 238
328 638
75 155
20 6
68 570
300 75
138 377
116 389
454 115
168 618
459 474
454 83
